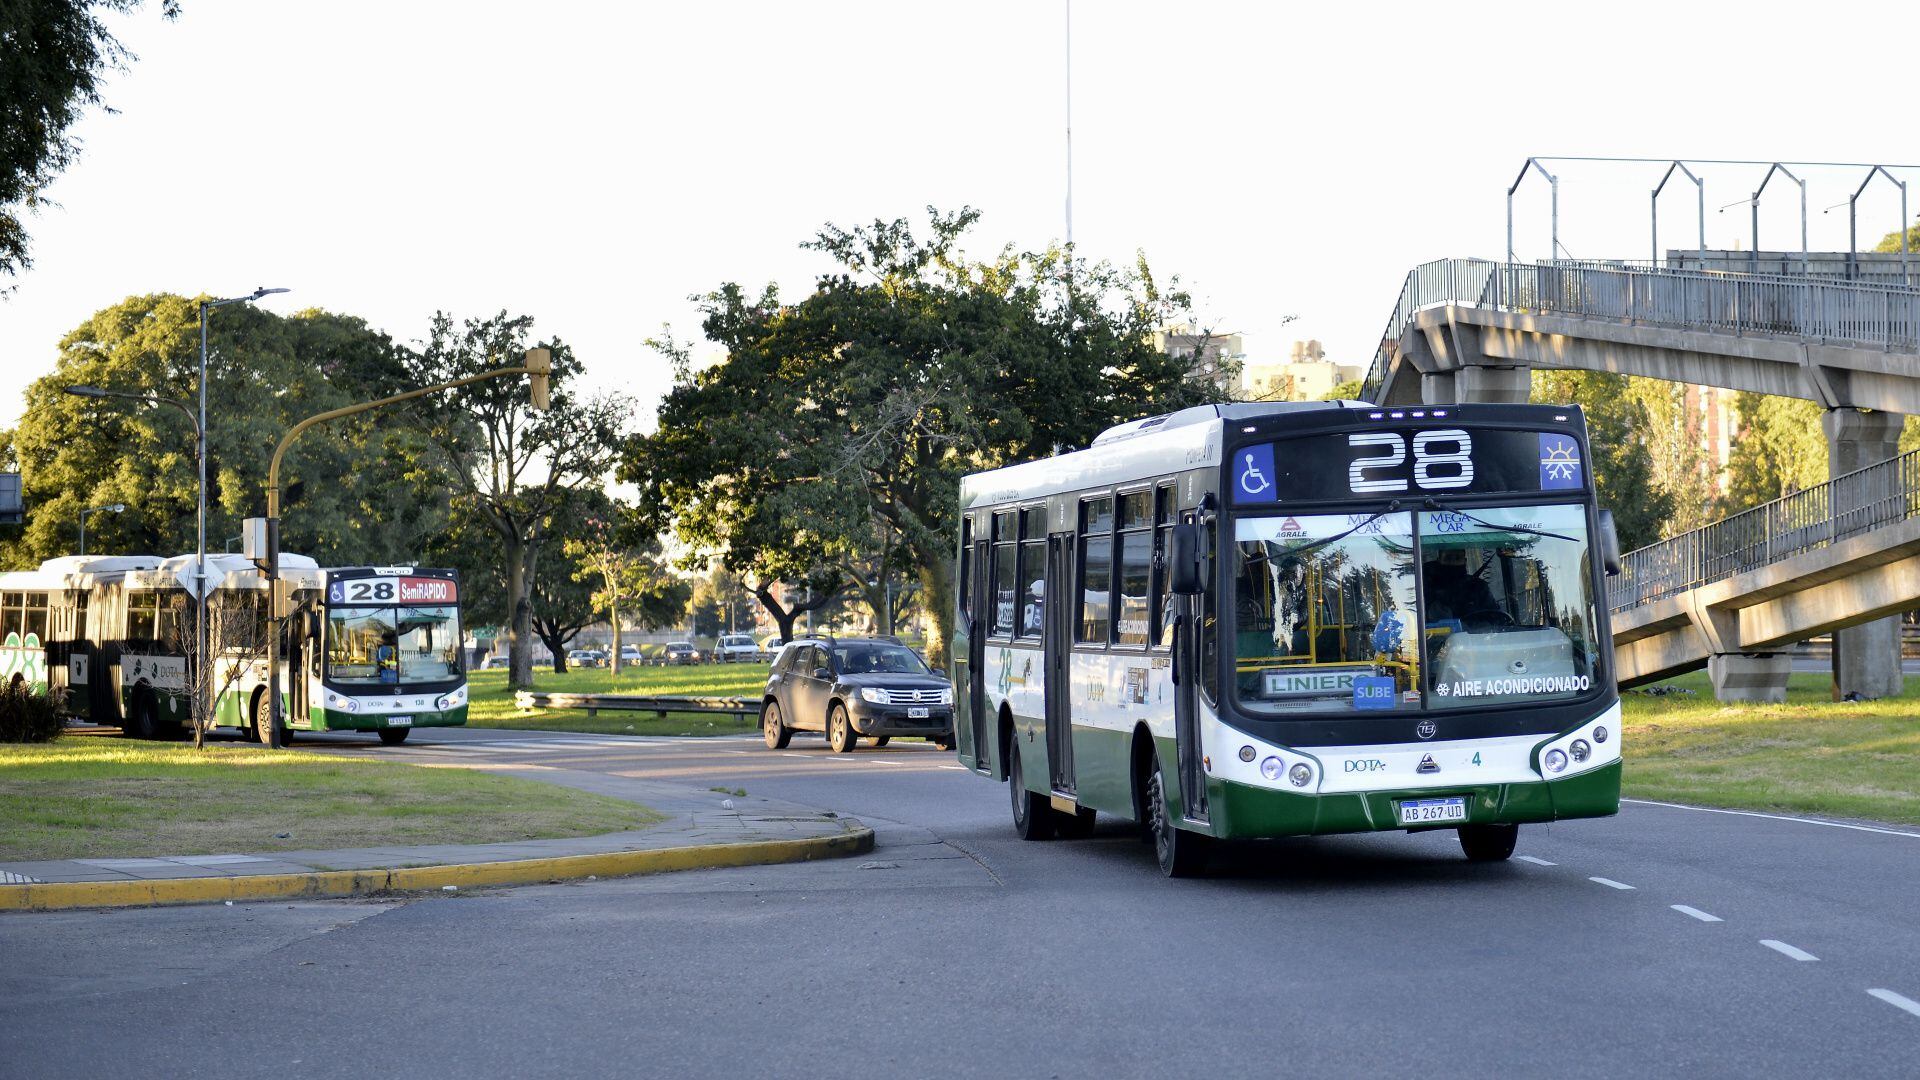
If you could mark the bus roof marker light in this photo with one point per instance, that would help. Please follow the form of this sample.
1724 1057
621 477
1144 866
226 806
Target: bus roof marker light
1398 415
1439 412
1272 767
1375 415
1246 753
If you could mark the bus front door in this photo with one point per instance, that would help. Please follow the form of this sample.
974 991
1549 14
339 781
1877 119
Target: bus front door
1186 718
1057 648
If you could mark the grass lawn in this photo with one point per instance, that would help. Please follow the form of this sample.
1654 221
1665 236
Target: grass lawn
1809 755
491 704
99 797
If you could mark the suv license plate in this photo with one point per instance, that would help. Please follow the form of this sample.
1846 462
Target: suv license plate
1431 811
917 712
399 721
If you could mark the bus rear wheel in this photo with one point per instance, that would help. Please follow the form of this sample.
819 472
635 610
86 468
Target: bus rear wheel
145 721
1032 814
394 736
1488 843
1181 853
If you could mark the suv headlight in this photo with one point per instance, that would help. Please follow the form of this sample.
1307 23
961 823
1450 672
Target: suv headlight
946 696
874 694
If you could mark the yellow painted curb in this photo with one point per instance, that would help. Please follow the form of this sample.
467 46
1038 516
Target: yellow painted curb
52 896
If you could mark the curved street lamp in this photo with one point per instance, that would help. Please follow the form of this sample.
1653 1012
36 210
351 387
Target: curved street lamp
118 508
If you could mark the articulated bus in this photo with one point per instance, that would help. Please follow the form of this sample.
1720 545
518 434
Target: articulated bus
1294 618
371 648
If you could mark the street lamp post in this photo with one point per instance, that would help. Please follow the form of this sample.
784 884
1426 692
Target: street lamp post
538 366
118 508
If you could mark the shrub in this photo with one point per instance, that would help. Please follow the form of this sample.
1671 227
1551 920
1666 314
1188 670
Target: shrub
27 715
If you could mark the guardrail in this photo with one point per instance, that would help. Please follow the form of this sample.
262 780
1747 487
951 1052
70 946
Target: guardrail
660 705
1857 502
1815 309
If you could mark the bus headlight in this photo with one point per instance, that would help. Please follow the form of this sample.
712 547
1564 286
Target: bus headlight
342 702
1581 751
1272 767
452 700
1600 734
1300 775
1556 761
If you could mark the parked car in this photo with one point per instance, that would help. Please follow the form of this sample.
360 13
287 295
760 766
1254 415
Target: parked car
496 660
733 648
681 652
578 658
850 687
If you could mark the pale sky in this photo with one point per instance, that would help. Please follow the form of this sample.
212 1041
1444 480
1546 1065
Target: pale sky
594 164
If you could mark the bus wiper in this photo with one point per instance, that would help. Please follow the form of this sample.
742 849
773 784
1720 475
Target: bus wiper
1434 505
1337 537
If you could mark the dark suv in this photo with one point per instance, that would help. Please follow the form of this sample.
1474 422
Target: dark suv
849 687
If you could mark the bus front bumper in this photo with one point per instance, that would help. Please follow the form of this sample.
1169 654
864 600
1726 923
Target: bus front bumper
340 720
1242 810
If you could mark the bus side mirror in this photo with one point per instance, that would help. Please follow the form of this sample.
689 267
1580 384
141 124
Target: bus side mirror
1183 560
1609 544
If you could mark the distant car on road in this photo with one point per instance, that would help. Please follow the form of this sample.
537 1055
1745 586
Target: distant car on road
496 661
581 658
681 652
733 648
849 687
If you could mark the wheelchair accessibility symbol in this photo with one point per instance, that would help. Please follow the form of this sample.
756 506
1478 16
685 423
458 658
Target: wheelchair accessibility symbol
1253 481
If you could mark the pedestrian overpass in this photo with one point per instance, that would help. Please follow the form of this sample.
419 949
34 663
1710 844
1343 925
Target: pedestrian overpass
1733 595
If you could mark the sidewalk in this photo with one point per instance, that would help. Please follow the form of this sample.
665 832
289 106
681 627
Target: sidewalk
703 829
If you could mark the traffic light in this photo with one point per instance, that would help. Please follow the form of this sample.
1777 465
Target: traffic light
539 367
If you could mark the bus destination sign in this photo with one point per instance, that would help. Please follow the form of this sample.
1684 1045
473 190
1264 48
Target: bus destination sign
389 590
1432 461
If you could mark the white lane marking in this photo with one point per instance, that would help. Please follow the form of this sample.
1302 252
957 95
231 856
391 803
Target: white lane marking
883 761
1534 861
1611 884
1694 912
1775 817
736 751
961 768
1787 950
1897 1001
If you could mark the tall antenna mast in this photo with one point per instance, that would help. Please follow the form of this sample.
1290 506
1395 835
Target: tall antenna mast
1069 124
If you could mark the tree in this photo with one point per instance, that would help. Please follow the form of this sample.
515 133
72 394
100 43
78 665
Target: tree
1891 241
1623 465
908 366
1782 449
514 470
632 576
53 54
1346 391
357 492
236 645
720 603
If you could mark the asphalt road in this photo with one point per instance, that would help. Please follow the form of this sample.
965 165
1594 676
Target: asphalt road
1663 942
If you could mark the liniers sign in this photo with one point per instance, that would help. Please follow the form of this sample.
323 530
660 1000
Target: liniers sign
390 590
1439 460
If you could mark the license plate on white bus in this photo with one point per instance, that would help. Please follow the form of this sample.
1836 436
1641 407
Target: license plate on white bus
917 712
1433 811
399 721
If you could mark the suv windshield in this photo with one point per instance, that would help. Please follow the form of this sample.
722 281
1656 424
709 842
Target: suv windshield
862 658
1509 605
1324 613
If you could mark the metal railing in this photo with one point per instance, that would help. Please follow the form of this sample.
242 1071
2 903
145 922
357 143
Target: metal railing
1824 310
1858 502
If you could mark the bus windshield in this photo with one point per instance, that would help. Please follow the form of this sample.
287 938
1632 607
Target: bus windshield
1509 605
374 646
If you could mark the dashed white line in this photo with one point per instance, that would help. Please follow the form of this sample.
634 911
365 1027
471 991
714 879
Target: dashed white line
1534 861
1787 950
1611 884
1696 913
1906 1004
961 768
883 761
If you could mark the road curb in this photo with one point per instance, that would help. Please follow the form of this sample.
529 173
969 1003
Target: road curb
53 896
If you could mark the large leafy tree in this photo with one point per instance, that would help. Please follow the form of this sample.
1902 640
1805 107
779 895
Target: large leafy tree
908 366
513 470
1782 449
1624 467
53 54
624 571
355 491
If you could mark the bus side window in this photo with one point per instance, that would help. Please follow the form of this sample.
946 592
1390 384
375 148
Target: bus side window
1033 566
965 577
1005 554
10 615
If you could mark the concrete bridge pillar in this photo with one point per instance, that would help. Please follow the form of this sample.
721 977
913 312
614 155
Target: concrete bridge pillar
1749 676
1866 658
1493 385
1436 388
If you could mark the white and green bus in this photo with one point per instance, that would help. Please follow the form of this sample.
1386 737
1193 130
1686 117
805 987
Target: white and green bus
1294 618
367 649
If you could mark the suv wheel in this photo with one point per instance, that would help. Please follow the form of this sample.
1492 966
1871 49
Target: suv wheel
772 725
840 733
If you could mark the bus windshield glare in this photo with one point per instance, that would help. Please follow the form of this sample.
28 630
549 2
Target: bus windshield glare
373 646
1326 616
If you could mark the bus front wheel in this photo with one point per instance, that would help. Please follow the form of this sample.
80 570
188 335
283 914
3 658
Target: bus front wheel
394 736
1181 853
1032 815
1488 843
